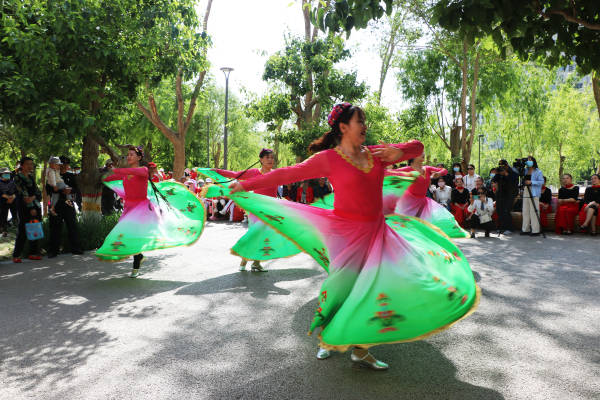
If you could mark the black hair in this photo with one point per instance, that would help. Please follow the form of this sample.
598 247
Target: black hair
23 160
470 165
532 158
334 136
493 169
569 175
265 152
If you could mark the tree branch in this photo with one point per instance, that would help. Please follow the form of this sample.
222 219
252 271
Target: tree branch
180 104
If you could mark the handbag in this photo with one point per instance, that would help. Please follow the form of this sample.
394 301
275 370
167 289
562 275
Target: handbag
34 230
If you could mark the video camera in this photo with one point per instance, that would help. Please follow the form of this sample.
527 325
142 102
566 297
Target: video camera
520 166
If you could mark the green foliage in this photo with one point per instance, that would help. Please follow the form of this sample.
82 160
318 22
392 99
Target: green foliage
537 29
345 15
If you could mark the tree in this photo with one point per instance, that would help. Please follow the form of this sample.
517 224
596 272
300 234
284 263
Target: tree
188 64
68 66
556 32
345 15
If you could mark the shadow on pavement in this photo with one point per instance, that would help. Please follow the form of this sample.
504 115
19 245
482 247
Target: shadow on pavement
45 330
258 284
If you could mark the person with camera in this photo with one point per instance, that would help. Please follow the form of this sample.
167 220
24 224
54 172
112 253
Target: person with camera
532 190
506 190
591 202
481 208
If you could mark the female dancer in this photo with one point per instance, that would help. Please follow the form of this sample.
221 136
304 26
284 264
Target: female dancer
260 242
416 203
385 285
144 224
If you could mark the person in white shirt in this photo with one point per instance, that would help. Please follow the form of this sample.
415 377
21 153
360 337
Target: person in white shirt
482 208
470 178
442 193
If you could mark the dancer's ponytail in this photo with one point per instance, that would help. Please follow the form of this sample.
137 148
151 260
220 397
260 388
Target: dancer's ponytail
341 113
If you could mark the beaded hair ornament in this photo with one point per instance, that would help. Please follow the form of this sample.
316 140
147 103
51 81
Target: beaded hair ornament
335 113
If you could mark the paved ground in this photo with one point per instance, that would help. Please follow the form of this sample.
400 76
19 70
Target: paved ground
193 328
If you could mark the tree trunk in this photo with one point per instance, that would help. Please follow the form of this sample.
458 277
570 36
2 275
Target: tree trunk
44 194
179 159
467 150
463 97
216 151
91 186
455 141
596 89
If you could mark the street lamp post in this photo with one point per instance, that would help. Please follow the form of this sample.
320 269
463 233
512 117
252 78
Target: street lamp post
207 142
226 71
479 155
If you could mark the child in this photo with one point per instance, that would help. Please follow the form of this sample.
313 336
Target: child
54 179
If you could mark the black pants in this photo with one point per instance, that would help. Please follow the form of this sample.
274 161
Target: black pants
4 209
475 223
25 217
504 205
67 214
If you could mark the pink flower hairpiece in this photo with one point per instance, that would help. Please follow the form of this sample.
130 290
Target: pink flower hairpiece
335 113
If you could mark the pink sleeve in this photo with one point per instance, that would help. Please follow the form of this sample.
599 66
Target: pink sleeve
433 170
410 150
314 167
141 171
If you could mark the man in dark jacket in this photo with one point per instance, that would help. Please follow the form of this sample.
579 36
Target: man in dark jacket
8 196
508 188
65 211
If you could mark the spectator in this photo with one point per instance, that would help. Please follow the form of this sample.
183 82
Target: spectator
289 192
109 198
568 206
8 193
194 173
532 190
591 202
459 200
153 172
470 178
456 173
506 190
322 188
65 211
488 182
545 204
482 209
70 179
305 193
478 186
56 183
447 178
442 192
28 206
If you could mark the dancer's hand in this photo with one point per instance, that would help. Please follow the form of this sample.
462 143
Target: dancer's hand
236 187
388 153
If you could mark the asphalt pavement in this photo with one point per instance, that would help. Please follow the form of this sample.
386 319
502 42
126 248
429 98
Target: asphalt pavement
193 327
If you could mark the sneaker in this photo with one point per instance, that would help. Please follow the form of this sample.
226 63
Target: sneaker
536 234
322 354
17 260
487 233
135 273
472 235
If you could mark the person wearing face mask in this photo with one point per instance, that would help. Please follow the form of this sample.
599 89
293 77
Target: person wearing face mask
488 182
442 193
8 195
532 190
456 173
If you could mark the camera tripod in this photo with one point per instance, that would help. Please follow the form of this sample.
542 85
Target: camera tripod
537 212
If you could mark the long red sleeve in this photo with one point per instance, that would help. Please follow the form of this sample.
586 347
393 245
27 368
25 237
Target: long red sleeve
314 167
229 174
411 149
433 170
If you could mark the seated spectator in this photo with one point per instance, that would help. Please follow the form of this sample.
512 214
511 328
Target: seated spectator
289 192
153 173
478 185
447 178
8 195
591 202
442 193
322 188
568 206
191 185
455 173
482 209
459 200
545 204
470 178
305 193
